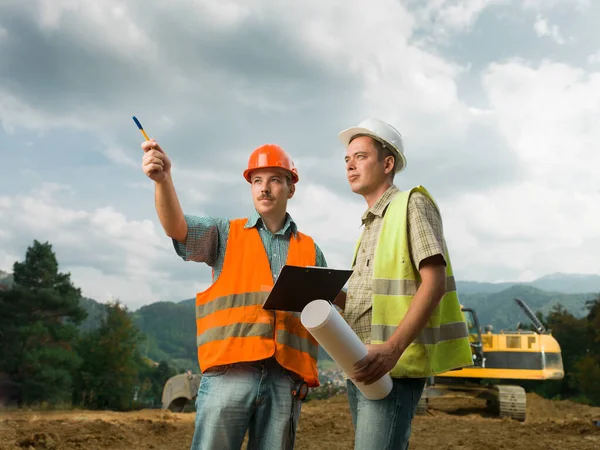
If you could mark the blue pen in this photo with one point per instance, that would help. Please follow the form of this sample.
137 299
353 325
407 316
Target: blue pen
139 125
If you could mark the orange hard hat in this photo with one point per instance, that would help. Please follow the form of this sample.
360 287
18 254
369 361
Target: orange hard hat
271 155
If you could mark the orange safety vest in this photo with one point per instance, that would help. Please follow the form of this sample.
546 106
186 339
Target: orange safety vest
232 326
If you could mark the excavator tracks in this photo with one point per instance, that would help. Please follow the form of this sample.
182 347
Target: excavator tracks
511 402
503 400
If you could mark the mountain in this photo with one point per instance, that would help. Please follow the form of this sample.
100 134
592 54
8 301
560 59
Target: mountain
6 279
568 283
96 312
170 328
478 287
558 282
171 331
501 311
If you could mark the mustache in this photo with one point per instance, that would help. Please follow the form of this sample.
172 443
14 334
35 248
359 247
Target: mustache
266 197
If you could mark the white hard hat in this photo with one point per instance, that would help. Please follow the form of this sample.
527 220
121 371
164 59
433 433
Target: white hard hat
384 133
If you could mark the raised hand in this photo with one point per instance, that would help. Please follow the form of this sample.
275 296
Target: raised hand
155 163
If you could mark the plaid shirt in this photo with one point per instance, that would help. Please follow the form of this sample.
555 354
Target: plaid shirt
207 242
425 239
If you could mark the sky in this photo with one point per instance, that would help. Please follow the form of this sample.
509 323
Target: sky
498 103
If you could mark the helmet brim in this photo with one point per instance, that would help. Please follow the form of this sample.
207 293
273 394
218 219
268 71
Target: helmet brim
248 173
346 136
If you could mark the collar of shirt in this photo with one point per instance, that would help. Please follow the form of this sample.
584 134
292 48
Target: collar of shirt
254 220
378 209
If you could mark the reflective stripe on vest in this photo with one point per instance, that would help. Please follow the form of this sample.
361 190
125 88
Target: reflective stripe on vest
427 336
231 324
302 344
228 302
407 289
235 330
443 343
404 287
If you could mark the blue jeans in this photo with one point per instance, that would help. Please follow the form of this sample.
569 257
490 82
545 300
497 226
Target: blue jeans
385 424
254 397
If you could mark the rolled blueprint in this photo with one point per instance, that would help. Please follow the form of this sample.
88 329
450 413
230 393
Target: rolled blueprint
336 337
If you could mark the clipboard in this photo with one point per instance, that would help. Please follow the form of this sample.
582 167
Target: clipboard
297 286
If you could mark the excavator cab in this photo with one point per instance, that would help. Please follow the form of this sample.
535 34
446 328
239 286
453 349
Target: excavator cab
498 360
474 337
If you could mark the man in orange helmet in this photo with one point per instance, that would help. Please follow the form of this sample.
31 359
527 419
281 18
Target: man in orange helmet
256 364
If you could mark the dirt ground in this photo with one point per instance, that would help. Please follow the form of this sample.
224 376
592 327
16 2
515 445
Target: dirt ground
450 424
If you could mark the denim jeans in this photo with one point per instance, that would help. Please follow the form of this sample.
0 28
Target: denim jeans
385 424
254 397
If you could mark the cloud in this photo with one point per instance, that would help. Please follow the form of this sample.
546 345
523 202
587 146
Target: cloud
503 129
442 18
523 232
333 220
548 113
578 5
543 28
594 58
117 64
110 255
120 156
107 253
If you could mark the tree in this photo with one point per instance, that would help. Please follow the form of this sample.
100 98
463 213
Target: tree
40 314
586 370
152 381
109 371
579 339
593 320
586 375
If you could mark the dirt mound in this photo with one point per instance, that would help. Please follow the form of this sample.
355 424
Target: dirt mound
151 429
40 440
541 409
324 424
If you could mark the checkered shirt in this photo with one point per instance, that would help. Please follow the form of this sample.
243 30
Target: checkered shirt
425 239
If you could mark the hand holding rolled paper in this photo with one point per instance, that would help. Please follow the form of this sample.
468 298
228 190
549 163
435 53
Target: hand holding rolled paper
379 361
336 337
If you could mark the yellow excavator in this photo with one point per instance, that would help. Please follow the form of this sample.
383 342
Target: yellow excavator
522 354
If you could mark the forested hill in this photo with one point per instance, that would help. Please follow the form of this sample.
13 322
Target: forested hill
558 282
170 326
171 332
501 311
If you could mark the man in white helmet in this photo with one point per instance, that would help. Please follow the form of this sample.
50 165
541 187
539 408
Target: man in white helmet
401 299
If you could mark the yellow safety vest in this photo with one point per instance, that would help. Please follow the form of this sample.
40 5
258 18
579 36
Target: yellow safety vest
443 343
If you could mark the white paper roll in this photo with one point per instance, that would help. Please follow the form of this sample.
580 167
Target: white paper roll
336 337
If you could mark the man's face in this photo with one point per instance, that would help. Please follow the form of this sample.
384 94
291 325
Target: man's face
364 171
271 191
